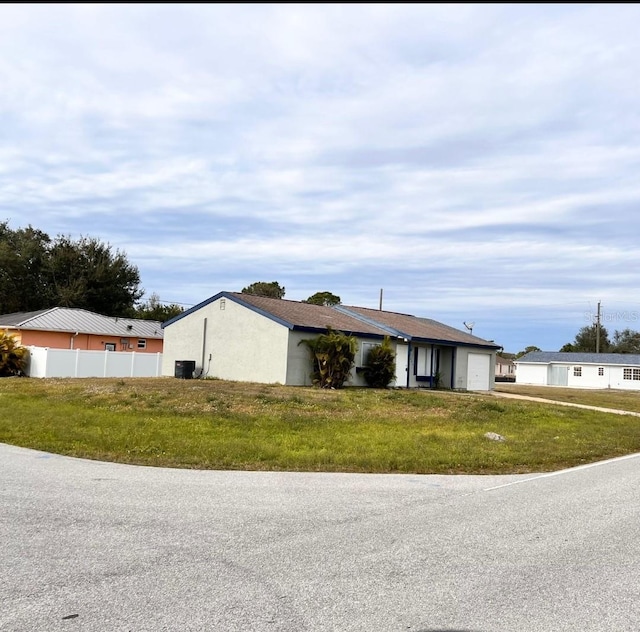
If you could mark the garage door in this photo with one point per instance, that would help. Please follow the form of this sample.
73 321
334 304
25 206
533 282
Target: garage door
478 372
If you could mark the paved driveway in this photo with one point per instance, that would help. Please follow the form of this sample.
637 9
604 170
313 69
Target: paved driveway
90 546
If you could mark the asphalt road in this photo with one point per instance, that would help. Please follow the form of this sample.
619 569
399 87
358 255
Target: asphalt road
90 546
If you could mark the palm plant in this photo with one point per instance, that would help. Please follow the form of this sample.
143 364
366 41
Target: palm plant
13 357
332 356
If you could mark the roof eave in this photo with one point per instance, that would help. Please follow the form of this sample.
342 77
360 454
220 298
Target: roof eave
235 299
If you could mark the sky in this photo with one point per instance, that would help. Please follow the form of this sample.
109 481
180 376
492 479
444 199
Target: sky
478 163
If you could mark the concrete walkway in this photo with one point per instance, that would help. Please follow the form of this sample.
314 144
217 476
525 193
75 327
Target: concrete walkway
614 411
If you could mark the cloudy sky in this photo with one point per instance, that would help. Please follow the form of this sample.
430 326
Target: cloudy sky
479 163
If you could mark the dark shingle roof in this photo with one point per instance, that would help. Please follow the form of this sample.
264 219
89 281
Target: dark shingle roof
545 357
351 320
424 329
307 315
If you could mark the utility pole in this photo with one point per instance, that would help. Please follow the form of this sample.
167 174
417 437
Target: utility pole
380 308
598 329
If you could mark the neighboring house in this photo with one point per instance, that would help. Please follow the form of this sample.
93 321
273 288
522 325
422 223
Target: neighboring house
242 337
580 370
67 328
505 369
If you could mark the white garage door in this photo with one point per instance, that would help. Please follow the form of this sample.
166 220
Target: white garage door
478 372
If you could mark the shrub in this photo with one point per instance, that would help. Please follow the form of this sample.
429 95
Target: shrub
332 356
13 357
380 366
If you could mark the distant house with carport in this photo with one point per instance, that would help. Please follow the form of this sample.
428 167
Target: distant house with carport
580 370
243 337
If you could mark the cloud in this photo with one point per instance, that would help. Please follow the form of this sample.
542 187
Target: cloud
470 159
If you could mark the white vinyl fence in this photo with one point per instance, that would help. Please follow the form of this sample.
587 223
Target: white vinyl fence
45 362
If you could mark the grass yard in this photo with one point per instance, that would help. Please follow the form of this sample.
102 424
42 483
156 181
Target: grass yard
212 424
606 398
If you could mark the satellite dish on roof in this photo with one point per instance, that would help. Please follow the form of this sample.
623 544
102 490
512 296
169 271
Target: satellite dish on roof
469 326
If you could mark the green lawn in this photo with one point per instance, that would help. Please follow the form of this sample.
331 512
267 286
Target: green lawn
606 398
212 424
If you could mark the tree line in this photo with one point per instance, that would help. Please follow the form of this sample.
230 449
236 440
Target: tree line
39 272
588 339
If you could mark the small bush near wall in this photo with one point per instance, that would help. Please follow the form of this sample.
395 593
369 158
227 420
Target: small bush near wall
380 367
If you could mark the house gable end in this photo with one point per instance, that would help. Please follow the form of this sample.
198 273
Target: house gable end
235 299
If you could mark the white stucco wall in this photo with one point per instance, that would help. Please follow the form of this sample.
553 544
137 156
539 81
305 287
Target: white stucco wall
589 377
531 374
228 341
613 376
299 359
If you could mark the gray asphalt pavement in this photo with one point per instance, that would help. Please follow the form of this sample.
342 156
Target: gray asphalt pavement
90 546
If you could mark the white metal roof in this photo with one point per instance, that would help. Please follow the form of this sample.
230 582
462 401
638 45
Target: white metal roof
82 321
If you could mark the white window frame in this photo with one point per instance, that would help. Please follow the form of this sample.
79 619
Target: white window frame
629 373
365 347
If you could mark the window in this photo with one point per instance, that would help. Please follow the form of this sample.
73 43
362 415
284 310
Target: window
631 374
109 346
577 371
422 361
142 343
366 347
600 370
